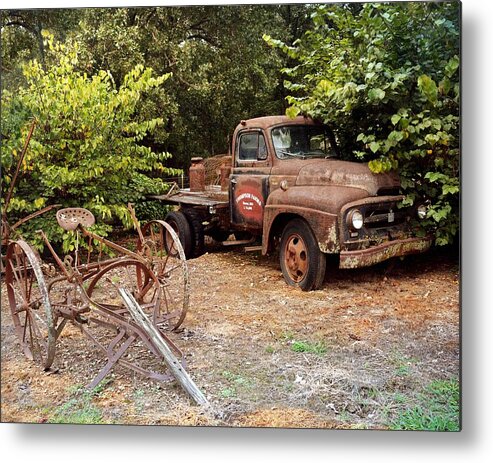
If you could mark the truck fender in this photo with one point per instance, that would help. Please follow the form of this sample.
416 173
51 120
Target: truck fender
320 206
323 225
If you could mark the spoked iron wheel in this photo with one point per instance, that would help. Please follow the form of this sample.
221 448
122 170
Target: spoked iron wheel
130 274
29 304
112 328
171 270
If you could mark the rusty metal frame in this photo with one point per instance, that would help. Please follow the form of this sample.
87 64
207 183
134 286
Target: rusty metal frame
384 251
24 270
85 312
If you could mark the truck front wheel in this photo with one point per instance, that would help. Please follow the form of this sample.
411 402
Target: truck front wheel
302 262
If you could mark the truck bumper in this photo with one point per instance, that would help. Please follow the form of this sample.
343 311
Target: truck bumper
376 254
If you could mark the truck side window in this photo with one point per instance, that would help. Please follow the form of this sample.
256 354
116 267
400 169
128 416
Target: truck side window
252 147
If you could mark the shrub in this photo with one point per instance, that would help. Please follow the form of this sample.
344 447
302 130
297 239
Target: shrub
88 149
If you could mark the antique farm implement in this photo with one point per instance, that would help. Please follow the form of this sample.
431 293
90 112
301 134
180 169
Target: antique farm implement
124 301
85 291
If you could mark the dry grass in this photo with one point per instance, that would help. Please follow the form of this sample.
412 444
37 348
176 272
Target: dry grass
385 335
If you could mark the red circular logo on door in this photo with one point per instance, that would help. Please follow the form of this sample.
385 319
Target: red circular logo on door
249 204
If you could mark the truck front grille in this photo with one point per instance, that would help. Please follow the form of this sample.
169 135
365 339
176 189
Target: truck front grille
387 217
382 221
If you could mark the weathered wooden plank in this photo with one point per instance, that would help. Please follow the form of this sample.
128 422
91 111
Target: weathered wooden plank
211 196
171 361
190 199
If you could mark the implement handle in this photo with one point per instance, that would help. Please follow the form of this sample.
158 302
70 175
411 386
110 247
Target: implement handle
171 361
19 163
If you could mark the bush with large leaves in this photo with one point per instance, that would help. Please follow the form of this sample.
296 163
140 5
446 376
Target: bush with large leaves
386 77
87 149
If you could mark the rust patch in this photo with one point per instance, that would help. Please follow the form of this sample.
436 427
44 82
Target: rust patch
331 245
330 172
376 254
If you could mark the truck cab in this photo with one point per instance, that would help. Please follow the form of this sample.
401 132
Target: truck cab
260 147
288 188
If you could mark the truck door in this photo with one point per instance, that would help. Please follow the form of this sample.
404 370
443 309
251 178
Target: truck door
249 181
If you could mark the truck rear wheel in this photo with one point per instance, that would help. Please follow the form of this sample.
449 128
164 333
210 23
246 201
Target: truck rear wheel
180 225
196 232
302 262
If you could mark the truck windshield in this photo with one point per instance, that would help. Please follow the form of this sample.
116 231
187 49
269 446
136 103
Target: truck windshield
302 141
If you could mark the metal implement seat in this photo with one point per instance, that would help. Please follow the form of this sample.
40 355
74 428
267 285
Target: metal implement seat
70 218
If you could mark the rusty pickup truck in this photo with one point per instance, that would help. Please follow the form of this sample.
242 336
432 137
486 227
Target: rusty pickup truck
283 187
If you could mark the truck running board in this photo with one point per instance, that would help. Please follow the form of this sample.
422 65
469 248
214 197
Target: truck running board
253 248
238 242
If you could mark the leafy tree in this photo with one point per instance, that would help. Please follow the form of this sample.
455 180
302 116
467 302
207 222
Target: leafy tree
22 38
222 70
87 147
386 77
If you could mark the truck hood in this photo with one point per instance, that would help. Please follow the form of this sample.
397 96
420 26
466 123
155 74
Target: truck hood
344 173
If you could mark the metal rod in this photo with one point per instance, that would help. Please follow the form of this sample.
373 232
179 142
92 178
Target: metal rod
33 215
112 245
19 163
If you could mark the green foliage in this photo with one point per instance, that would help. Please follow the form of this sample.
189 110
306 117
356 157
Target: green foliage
386 78
96 100
222 70
228 392
88 148
438 409
318 348
403 364
22 38
80 409
151 210
237 383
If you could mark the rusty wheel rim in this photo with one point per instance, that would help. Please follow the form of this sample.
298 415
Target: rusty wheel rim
29 304
168 241
164 253
296 257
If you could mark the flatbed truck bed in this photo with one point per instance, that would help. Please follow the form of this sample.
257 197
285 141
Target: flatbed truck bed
212 196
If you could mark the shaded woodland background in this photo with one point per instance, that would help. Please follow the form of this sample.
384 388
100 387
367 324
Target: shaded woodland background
124 97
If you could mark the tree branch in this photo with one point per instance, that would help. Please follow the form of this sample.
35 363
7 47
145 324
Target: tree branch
20 24
199 36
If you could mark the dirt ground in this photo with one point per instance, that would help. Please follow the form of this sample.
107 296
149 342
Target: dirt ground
350 355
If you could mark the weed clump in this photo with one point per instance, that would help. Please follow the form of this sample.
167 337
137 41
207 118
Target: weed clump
437 409
309 347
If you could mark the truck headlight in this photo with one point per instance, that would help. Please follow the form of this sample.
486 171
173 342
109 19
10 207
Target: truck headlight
355 219
422 211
